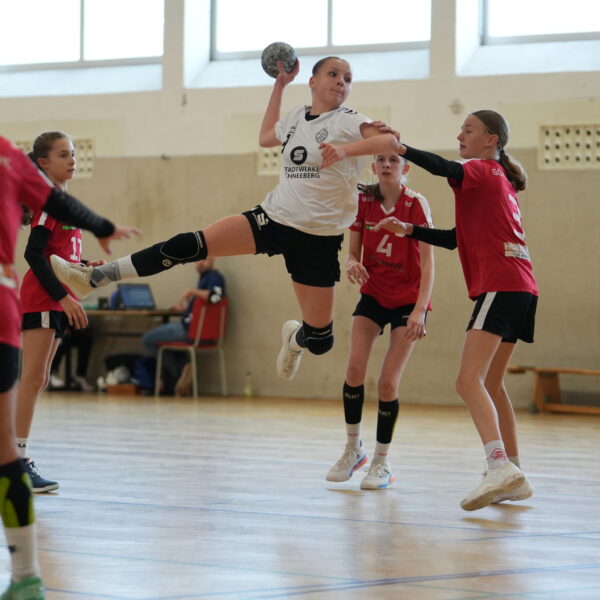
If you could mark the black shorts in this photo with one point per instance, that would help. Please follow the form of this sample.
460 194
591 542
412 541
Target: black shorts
9 359
309 259
48 319
371 309
511 315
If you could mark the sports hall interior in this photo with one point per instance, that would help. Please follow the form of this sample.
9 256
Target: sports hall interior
225 497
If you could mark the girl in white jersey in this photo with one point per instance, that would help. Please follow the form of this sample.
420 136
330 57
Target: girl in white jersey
303 219
396 279
499 277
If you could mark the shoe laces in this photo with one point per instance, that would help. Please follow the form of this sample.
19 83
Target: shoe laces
32 468
380 469
351 453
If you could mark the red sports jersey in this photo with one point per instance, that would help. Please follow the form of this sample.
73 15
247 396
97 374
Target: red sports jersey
489 233
64 241
393 262
20 183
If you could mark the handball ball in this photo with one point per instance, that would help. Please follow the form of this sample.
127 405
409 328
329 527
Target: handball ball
278 51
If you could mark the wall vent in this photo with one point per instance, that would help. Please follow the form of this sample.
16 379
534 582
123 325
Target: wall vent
269 161
569 147
84 150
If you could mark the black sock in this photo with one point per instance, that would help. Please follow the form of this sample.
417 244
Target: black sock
353 403
386 420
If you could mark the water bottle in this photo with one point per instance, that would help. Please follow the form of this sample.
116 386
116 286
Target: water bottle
248 388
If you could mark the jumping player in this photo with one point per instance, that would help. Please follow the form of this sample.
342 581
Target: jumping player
499 277
21 184
303 218
396 277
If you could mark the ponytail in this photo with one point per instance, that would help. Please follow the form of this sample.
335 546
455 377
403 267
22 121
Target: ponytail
515 172
371 189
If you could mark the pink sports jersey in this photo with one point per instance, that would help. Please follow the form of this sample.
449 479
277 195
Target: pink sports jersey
393 262
64 241
489 233
20 183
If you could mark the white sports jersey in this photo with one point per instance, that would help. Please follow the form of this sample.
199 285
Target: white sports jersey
320 202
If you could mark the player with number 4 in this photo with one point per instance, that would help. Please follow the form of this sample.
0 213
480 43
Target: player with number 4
396 278
47 306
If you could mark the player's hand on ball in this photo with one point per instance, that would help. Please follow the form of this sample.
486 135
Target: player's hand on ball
394 225
121 232
330 154
284 76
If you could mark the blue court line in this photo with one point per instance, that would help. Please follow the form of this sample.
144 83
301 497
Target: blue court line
571 534
193 564
286 515
286 592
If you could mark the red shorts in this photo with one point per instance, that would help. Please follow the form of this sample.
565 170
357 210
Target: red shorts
10 309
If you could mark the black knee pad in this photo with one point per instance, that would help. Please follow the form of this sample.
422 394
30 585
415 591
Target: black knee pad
184 248
317 340
17 494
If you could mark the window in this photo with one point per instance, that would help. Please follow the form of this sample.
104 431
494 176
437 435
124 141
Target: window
242 29
80 32
507 21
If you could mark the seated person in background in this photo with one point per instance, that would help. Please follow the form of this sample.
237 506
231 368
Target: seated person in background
211 287
82 339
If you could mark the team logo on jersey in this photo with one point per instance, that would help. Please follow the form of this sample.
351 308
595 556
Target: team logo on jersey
298 155
321 135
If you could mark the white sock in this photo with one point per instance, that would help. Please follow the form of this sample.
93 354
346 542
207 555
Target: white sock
381 452
21 542
22 447
353 435
495 454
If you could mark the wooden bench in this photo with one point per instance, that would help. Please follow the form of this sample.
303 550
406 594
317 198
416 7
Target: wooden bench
546 393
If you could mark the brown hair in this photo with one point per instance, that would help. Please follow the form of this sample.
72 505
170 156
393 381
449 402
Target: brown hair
43 144
496 124
373 189
321 62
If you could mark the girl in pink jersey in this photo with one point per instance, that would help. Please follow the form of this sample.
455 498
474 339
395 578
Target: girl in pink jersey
499 277
46 305
21 185
396 277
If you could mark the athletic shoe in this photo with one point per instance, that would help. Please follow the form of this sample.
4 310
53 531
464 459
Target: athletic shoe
55 383
183 387
31 588
75 276
288 360
379 476
495 482
82 384
352 459
38 484
523 492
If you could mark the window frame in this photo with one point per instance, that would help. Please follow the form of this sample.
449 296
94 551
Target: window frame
489 40
81 63
329 48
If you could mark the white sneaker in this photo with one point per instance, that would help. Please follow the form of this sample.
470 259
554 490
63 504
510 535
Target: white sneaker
379 476
495 482
352 459
55 382
75 276
81 381
288 360
523 492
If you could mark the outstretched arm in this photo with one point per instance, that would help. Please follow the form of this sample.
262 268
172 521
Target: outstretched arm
67 209
433 163
446 238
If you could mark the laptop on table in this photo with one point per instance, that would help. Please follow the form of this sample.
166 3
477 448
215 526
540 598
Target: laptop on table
136 296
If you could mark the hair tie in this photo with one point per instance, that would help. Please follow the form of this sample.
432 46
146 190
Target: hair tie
501 152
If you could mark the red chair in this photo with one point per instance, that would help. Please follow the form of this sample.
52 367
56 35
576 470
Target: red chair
205 334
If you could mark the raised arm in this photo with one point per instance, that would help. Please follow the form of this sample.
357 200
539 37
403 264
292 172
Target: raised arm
446 238
267 137
433 163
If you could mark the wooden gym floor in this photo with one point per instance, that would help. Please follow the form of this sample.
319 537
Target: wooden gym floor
225 498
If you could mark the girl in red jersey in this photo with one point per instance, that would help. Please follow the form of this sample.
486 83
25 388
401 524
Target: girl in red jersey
46 305
396 277
21 184
499 277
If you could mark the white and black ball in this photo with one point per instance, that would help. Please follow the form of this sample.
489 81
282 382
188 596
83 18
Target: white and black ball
278 51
